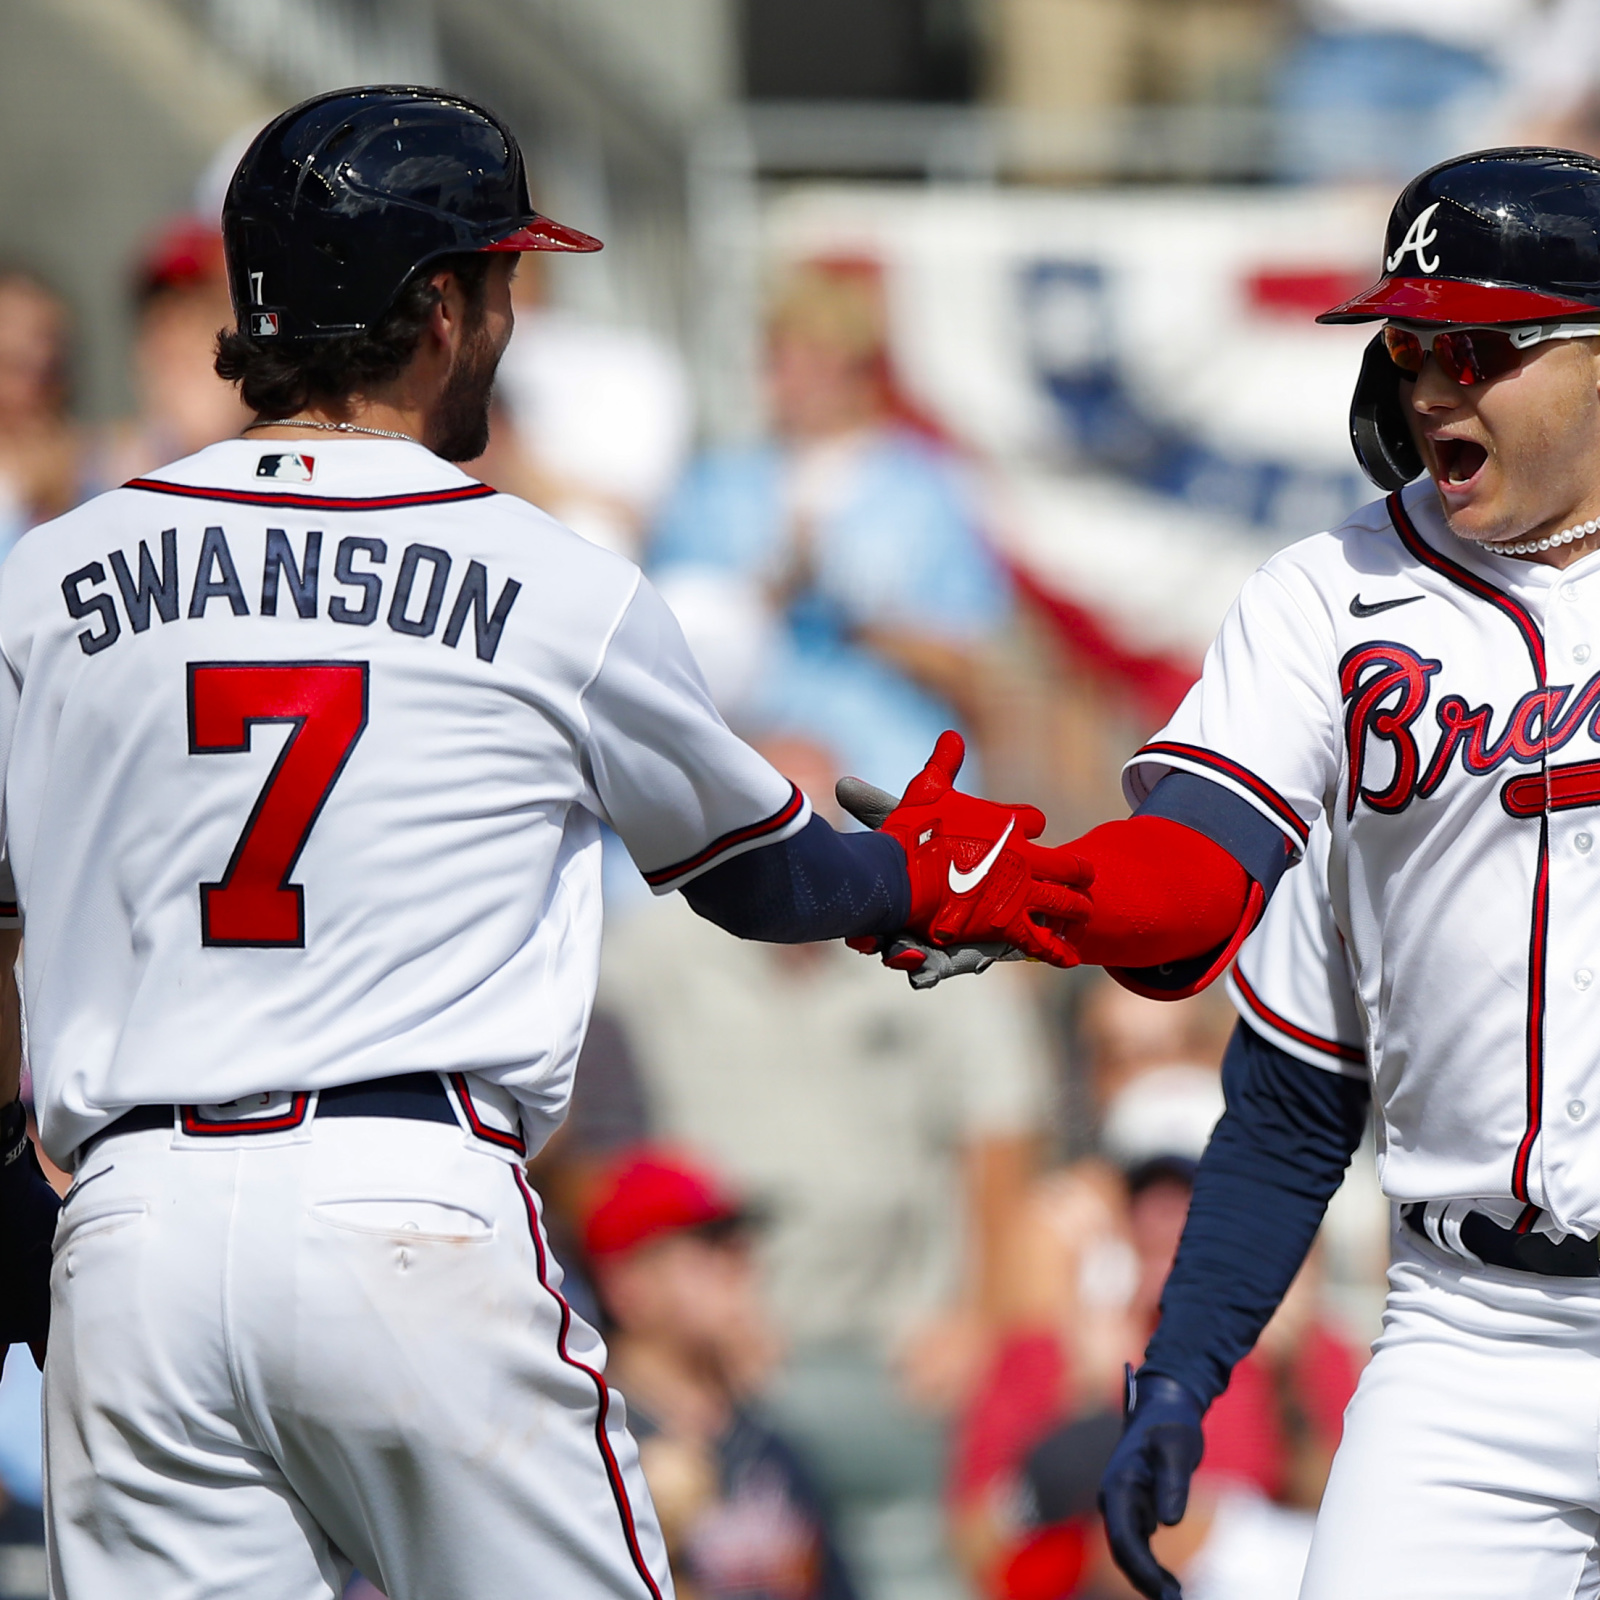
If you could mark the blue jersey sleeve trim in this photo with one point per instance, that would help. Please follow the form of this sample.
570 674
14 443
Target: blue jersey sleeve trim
1273 1163
816 884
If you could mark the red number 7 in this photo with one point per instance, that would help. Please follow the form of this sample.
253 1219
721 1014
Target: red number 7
326 703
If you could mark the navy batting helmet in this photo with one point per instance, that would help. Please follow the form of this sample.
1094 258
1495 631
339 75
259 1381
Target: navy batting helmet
340 199
1499 236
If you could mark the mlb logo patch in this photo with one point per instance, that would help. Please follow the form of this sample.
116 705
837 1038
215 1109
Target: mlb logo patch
263 324
291 466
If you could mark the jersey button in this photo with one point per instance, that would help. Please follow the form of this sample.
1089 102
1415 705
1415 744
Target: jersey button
1575 1110
1583 977
1580 653
1583 843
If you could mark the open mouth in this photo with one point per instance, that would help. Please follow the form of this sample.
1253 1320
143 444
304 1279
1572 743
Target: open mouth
1459 460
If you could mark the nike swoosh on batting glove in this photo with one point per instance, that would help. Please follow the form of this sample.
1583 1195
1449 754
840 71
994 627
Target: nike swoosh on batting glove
924 963
1146 1482
976 877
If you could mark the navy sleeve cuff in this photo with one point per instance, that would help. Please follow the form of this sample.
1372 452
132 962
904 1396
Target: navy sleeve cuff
817 884
1259 846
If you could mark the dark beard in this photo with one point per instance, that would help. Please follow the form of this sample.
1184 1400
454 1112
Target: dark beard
461 422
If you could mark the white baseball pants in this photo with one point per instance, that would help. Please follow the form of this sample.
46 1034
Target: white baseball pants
275 1356
1470 1464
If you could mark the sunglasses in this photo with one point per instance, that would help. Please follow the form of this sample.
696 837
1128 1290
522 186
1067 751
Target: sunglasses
1475 355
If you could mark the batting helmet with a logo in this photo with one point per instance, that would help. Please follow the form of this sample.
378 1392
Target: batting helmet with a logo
341 198
1499 236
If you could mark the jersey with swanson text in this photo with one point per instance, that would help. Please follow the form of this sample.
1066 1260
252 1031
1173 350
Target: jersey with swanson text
306 756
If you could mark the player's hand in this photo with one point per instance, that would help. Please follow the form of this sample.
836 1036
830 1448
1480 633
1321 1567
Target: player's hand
926 964
28 1209
977 879
1146 1482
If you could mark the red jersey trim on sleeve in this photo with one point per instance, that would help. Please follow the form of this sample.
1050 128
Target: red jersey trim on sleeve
1292 1030
1210 761
314 502
670 877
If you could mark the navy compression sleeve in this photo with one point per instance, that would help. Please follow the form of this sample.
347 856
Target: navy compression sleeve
1271 1167
816 884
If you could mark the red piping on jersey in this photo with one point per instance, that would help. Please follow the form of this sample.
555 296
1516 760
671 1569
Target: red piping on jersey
1538 938
499 1136
1470 581
1292 1030
756 830
619 1489
314 502
201 1128
1259 787
1539 931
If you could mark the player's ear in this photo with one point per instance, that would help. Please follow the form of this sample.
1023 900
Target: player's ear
448 316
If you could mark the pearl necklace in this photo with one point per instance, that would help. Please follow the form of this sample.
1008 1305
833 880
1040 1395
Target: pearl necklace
328 427
1579 530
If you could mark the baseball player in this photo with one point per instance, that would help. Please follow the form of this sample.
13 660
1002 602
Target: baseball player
307 743
1414 699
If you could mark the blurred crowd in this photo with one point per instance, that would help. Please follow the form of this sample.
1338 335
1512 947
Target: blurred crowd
1364 89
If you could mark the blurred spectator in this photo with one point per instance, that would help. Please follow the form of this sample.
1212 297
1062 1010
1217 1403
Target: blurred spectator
1121 1036
1554 96
856 532
889 1137
181 299
39 446
688 1340
1087 57
1381 89
1081 1299
593 422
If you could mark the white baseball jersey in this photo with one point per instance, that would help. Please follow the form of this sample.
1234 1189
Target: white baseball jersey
307 752
1292 981
1439 706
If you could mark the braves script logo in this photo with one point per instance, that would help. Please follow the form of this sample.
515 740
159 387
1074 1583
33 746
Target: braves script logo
1385 687
1418 237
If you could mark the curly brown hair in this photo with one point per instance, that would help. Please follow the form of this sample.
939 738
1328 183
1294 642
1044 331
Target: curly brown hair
277 380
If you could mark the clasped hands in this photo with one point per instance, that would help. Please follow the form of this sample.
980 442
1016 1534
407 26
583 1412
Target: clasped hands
981 890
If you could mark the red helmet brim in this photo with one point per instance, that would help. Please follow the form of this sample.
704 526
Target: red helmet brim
1454 300
544 233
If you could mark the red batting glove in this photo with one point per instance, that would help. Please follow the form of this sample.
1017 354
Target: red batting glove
975 876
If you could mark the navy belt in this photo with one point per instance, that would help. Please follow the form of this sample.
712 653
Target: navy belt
1495 1246
418 1095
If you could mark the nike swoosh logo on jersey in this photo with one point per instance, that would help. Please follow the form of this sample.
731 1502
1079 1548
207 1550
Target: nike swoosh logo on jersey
1370 608
965 882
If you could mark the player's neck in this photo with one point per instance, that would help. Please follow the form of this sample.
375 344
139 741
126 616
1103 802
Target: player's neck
1556 528
380 417
408 403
